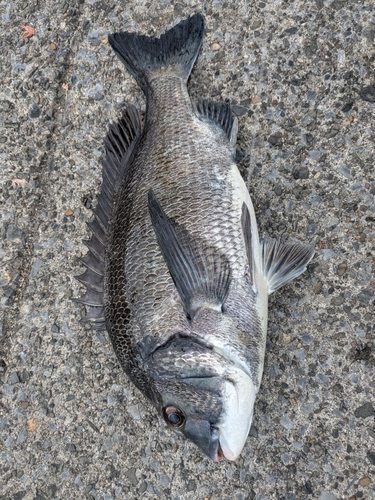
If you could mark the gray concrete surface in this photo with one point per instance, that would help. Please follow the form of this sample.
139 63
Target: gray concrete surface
302 76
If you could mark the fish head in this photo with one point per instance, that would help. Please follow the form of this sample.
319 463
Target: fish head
204 396
193 411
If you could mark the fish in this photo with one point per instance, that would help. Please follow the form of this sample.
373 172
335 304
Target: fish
176 271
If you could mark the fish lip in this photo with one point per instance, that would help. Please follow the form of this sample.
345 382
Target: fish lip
215 452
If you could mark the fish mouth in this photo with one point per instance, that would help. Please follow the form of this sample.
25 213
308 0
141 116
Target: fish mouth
216 453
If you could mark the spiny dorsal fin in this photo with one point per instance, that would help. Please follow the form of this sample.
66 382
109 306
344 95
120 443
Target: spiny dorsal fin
119 144
201 274
219 113
282 262
95 316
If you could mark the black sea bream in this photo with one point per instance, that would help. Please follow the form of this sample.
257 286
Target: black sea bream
176 272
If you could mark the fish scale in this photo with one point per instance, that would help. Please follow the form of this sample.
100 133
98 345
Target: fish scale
177 176
175 270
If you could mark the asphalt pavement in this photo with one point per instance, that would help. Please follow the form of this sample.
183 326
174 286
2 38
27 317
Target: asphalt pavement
300 77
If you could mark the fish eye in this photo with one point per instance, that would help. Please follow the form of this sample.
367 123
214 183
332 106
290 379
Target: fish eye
174 416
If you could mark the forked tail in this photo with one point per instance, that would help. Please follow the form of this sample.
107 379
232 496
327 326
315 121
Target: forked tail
174 53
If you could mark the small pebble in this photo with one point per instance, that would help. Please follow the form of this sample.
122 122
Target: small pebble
371 457
368 93
342 268
34 111
286 422
326 495
14 379
318 287
192 485
69 212
301 173
143 487
287 339
134 412
239 110
215 46
32 425
253 431
365 481
364 411
52 46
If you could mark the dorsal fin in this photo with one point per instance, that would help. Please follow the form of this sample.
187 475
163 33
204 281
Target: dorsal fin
282 262
119 145
219 113
202 274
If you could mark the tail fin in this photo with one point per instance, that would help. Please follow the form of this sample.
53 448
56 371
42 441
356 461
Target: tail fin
174 52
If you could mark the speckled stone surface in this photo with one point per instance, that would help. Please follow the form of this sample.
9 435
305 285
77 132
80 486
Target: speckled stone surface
301 77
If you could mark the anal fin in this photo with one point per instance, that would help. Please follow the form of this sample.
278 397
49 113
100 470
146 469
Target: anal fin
282 262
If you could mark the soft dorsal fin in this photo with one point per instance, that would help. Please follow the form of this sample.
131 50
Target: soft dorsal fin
219 113
282 262
246 230
201 274
119 144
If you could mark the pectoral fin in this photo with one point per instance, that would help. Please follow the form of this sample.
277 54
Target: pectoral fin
201 274
282 262
246 230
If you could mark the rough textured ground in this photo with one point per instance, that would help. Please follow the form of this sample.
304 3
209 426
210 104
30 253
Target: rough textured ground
301 75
